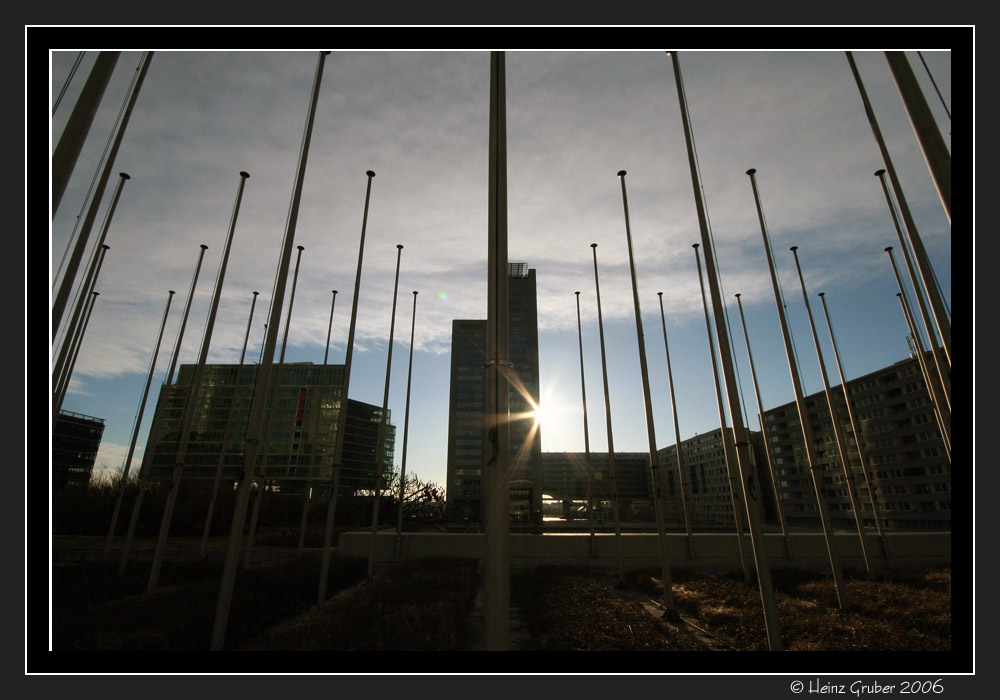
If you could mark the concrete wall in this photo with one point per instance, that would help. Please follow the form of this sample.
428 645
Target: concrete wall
708 551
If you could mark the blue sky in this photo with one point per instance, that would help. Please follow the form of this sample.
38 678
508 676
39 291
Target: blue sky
574 119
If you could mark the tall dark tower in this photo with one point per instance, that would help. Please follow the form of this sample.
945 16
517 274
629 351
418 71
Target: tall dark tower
466 433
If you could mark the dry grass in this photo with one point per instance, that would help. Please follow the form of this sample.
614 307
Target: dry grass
899 612
417 606
567 609
96 610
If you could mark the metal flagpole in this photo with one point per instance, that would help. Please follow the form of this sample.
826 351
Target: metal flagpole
59 304
586 437
190 406
856 428
923 262
276 386
677 435
76 351
496 495
398 551
73 341
331 510
607 416
921 360
263 378
933 146
739 436
943 415
79 58
735 484
837 434
90 280
75 132
217 481
380 445
765 432
158 415
307 496
807 433
654 457
135 431
942 362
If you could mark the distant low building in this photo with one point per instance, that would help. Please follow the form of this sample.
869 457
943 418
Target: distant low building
75 441
907 460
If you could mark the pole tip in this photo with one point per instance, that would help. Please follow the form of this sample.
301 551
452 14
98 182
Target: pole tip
880 173
170 291
244 174
659 294
204 247
105 246
593 245
334 291
794 248
577 293
370 173
97 294
694 245
821 294
399 246
887 248
256 293
737 295
124 176
300 247
621 173
751 171
415 292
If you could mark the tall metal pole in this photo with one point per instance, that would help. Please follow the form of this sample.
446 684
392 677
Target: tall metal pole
406 431
76 65
933 146
496 495
217 481
923 262
677 434
75 132
765 432
75 338
586 436
380 445
90 280
922 361
263 378
76 351
331 509
265 450
654 457
808 444
736 490
856 428
837 434
190 406
59 304
307 496
942 362
154 430
607 416
135 431
742 441
943 414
